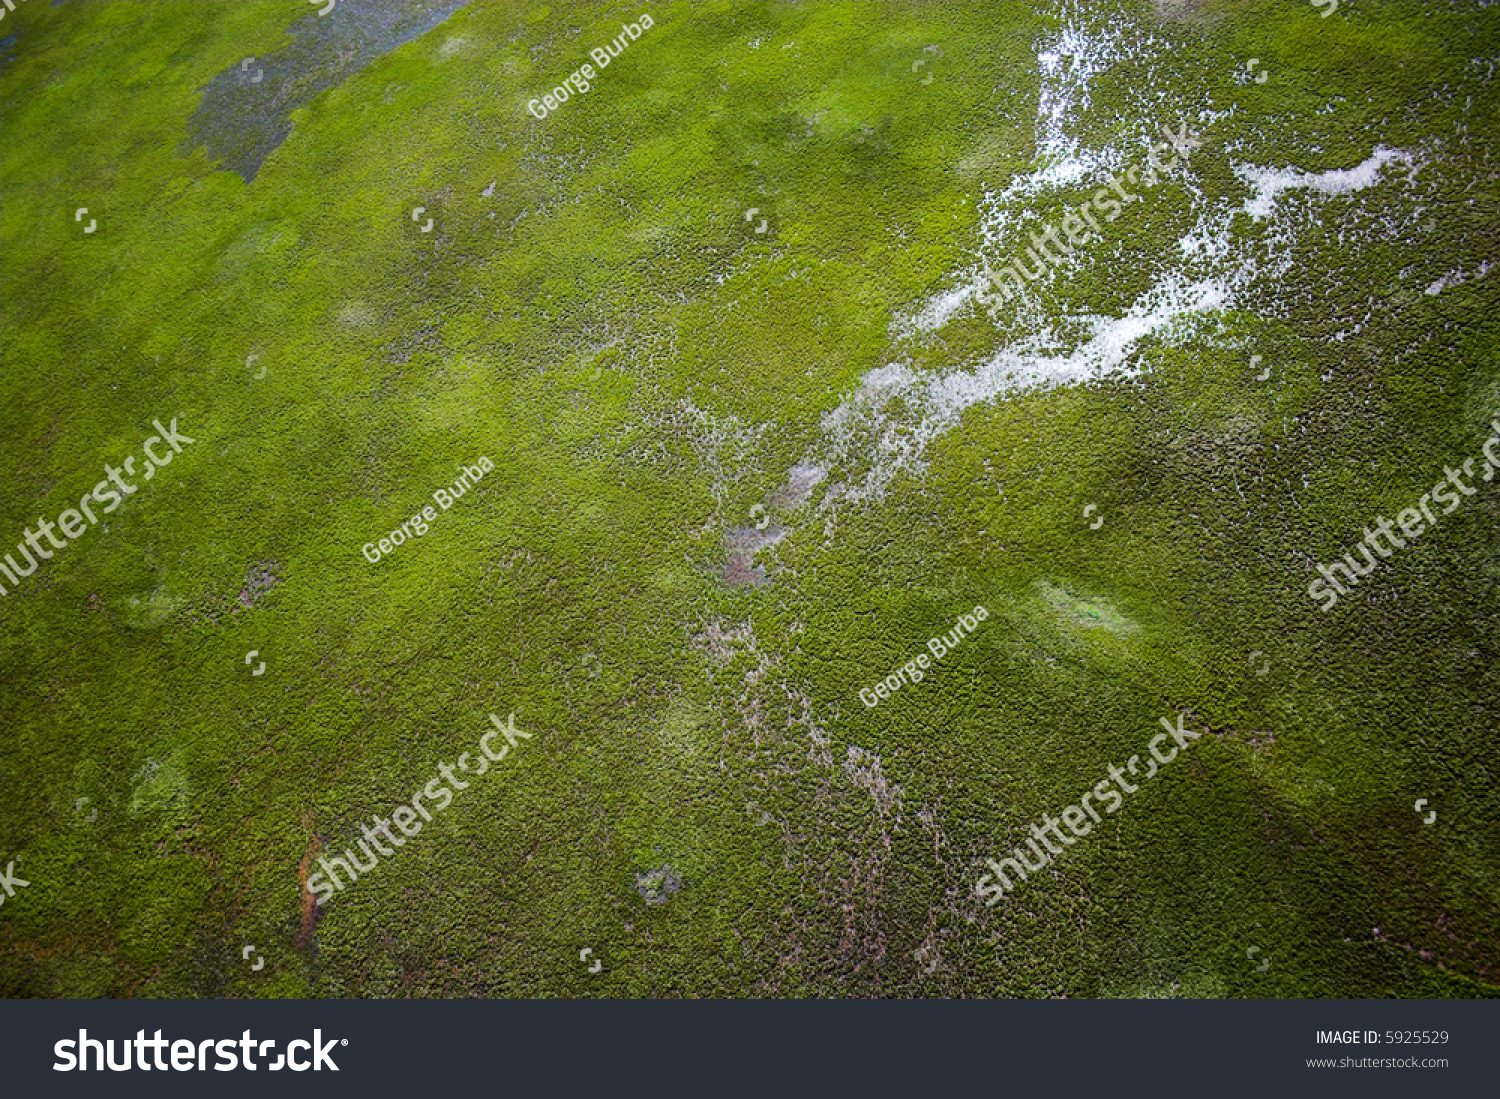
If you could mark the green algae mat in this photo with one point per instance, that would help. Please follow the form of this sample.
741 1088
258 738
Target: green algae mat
749 499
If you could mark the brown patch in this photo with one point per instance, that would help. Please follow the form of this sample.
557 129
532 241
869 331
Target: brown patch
742 544
800 482
1260 740
657 886
310 909
739 572
261 579
215 609
1178 9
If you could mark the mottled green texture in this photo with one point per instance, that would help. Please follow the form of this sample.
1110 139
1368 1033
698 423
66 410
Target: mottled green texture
643 368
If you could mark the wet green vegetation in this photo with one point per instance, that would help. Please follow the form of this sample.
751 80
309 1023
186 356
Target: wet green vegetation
594 312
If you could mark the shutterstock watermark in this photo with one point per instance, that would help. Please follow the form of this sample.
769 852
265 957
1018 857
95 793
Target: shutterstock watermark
71 520
405 816
580 80
190 1056
1078 819
1077 224
913 671
1410 520
10 881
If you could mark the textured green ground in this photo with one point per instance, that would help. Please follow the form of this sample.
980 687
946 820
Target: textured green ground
643 369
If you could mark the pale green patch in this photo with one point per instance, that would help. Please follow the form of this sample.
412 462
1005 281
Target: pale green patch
1190 986
146 612
684 729
356 314
1078 611
259 249
161 785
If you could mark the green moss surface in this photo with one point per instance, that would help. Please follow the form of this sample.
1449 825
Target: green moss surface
643 369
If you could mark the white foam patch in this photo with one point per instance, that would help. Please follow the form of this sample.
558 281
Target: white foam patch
1269 183
1457 278
941 309
870 440
1067 65
860 424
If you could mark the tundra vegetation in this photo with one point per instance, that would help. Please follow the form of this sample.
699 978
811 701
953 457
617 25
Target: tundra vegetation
745 464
